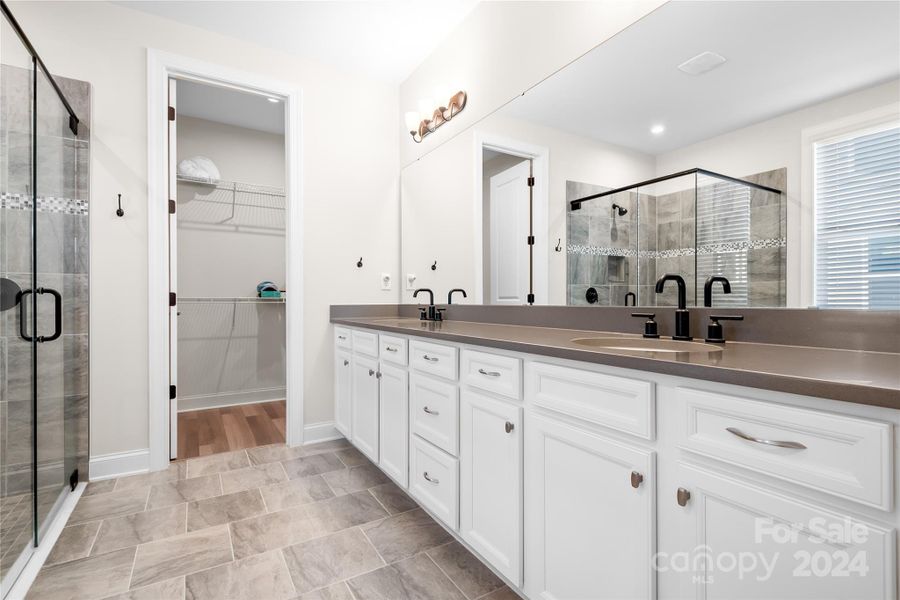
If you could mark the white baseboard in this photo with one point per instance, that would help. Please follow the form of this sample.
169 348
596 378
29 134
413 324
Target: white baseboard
119 464
320 432
20 588
203 402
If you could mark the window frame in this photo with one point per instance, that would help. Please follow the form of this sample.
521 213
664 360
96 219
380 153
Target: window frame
871 121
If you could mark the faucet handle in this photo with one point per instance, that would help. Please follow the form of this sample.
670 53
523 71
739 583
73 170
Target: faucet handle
651 329
423 313
439 314
715 332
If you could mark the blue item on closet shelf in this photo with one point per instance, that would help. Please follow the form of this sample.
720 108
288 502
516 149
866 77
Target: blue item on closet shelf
268 287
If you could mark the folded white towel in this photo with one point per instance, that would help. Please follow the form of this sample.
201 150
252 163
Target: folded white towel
199 167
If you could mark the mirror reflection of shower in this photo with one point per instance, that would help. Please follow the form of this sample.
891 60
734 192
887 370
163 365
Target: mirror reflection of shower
621 210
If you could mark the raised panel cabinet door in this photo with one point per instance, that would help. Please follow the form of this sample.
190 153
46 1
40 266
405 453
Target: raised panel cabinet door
740 541
365 406
490 486
343 393
589 515
394 423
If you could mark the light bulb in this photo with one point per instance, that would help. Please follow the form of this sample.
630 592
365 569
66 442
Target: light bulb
412 121
658 129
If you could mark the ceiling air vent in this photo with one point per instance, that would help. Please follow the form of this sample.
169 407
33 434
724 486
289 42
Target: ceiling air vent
703 62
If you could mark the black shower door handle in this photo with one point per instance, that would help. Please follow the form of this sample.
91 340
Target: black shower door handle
57 315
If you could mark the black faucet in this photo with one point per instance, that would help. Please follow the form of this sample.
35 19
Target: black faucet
633 299
682 316
707 288
450 294
429 313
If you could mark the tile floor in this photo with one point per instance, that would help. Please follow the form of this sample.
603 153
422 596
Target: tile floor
269 523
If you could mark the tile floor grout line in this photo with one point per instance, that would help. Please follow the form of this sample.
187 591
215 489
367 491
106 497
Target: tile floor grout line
373 546
280 552
133 564
380 503
94 541
230 542
450 579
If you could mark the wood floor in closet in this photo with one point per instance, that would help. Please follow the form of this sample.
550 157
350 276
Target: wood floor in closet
214 430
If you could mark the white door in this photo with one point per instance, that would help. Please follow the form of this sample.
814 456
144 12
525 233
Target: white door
759 543
173 278
394 423
342 392
490 481
364 411
589 515
509 214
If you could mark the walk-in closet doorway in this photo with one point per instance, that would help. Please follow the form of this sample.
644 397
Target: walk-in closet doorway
226 345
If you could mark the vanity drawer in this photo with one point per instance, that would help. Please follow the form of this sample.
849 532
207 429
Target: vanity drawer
434 481
618 403
435 359
837 454
343 338
393 349
434 411
365 342
492 372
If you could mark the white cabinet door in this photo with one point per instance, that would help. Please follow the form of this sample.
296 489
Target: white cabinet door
394 423
490 484
589 515
736 541
365 406
343 392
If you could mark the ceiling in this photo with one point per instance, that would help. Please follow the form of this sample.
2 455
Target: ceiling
781 56
229 106
385 39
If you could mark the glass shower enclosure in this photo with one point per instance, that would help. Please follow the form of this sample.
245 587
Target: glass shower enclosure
693 223
44 149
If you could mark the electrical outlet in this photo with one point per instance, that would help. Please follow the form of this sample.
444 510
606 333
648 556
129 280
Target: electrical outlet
410 281
386 281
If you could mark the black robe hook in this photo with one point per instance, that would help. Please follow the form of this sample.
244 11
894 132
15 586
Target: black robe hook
119 211
434 266
359 263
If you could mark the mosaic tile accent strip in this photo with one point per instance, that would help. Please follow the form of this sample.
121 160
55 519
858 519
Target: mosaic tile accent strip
70 206
722 248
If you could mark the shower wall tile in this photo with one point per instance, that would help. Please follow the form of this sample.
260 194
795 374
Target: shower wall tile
765 222
765 264
599 233
668 208
577 227
668 235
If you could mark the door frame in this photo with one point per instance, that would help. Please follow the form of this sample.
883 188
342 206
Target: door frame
160 67
540 157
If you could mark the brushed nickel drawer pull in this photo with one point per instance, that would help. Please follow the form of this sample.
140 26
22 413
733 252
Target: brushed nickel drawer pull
430 358
431 479
431 412
390 348
750 438
489 373
636 479
342 337
683 496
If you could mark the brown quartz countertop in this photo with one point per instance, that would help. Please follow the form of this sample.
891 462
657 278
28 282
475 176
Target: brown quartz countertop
849 375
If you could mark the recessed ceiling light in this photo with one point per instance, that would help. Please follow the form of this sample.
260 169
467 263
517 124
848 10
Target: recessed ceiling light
702 63
273 100
658 129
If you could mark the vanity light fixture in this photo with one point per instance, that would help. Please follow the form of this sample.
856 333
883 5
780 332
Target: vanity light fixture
658 129
419 126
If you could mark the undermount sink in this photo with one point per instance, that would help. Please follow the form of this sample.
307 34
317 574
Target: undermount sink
649 345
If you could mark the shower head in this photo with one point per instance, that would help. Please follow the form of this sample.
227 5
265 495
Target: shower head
622 210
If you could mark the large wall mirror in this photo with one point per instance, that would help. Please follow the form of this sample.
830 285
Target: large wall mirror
755 141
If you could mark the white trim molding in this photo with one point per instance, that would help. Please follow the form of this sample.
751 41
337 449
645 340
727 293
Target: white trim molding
320 432
853 124
540 157
119 464
161 66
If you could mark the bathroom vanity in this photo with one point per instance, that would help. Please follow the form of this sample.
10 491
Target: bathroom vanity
578 470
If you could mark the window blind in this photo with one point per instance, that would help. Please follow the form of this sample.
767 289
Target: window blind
857 221
723 217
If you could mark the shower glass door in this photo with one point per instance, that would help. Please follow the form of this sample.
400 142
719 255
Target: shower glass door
17 355
43 297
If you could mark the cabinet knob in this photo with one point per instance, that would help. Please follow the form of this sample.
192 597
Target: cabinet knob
378 375
371 372
346 362
636 479
683 496
509 427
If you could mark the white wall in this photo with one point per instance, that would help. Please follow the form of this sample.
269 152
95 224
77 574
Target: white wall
774 144
219 255
503 48
349 179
